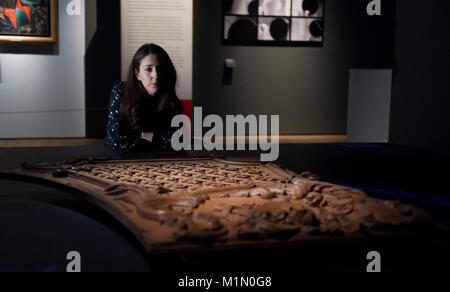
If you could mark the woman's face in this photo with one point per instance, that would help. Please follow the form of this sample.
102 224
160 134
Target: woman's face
149 74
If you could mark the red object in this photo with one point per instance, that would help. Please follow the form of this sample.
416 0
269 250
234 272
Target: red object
188 109
11 14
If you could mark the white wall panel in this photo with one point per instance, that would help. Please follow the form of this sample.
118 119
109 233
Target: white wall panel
168 23
64 124
37 85
369 106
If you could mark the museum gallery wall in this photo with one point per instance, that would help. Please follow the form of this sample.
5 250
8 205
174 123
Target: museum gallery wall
308 85
42 86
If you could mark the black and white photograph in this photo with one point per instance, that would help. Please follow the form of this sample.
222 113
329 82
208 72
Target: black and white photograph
307 8
307 29
273 22
273 29
241 7
241 29
275 7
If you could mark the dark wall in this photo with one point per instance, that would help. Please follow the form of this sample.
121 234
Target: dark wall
102 64
420 111
307 87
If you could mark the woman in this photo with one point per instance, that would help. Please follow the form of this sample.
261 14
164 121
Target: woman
141 110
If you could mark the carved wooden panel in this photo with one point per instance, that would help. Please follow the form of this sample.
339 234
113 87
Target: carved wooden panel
174 205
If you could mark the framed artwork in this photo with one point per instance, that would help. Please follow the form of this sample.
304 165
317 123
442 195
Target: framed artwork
273 22
32 21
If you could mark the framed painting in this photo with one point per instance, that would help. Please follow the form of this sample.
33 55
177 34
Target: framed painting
31 21
273 22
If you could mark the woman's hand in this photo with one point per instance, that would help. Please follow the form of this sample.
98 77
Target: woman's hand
147 136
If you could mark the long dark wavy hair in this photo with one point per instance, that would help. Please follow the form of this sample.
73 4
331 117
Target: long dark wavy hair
136 94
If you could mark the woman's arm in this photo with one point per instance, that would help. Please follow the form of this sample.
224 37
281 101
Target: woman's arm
120 136
162 138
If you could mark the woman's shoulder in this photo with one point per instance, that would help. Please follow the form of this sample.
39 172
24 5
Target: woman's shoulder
118 90
117 95
119 86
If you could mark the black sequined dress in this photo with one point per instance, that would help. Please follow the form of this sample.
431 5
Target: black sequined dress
122 138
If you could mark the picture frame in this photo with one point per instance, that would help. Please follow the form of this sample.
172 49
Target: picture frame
292 23
28 21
